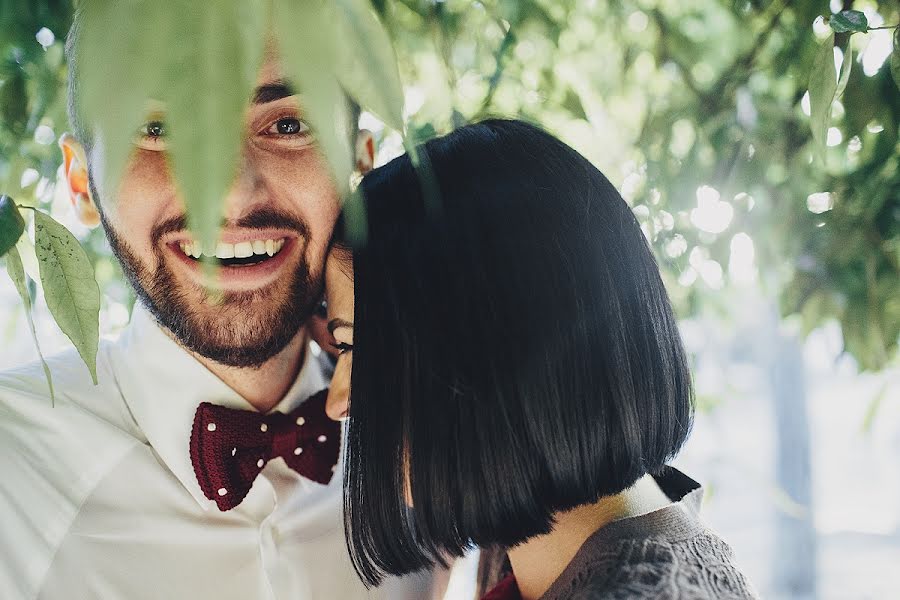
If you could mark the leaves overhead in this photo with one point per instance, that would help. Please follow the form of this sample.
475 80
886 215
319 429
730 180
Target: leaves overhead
70 289
367 66
306 50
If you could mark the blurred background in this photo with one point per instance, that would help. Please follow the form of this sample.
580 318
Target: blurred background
783 261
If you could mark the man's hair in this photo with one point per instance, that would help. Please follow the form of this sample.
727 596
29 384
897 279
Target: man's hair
80 129
515 351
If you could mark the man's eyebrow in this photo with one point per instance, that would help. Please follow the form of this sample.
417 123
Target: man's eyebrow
336 323
272 91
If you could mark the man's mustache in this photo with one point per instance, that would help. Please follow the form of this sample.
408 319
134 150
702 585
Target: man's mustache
261 218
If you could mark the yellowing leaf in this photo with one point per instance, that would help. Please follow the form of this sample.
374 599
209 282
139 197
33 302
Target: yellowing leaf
367 65
70 289
17 274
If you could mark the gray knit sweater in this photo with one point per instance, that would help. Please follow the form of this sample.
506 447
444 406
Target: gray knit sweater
667 554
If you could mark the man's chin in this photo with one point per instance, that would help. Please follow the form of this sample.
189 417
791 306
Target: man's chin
239 333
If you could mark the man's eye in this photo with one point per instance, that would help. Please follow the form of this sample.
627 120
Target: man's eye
288 126
154 129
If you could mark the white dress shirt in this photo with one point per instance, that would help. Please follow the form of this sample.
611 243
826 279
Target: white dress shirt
98 498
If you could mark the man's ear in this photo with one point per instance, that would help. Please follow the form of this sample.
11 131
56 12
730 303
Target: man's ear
76 176
365 151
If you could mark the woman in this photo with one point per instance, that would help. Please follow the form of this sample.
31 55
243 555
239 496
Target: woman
518 380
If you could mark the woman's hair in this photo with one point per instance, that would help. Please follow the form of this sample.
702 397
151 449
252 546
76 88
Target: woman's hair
515 352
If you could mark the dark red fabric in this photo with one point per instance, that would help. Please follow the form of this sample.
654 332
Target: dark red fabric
229 447
507 589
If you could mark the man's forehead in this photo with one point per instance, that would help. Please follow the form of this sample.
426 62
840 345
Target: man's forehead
271 70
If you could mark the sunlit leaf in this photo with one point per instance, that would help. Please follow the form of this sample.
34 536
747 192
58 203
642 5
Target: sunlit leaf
304 39
121 47
17 274
213 63
11 224
846 67
70 289
367 66
849 20
822 87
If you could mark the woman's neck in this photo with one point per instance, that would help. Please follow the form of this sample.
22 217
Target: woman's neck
538 562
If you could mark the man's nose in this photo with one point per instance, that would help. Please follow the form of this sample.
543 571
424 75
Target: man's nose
244 191
339 393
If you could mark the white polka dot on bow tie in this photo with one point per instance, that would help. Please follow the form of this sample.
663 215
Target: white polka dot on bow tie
222 491
264 428
260 463
298 451
233 451
211 427
301 421
322 438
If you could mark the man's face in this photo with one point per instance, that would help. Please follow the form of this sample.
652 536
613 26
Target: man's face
279 216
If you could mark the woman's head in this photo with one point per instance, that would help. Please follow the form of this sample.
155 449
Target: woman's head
514 350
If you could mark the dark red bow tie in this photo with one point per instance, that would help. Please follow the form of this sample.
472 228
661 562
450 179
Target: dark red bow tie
229 447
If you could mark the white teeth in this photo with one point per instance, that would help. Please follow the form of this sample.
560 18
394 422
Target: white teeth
240 250
224 250
243 249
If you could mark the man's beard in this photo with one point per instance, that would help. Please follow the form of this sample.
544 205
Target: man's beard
230 332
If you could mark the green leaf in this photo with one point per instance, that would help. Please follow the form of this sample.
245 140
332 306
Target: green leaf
367 66
121 47
199 60
11 224
822 88
846 67
895 58
17 274
212 71
70 288
305 38
849 20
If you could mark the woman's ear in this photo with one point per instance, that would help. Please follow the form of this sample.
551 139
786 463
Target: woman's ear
76 176
365 151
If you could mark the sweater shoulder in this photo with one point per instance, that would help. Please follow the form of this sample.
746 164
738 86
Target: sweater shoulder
699 567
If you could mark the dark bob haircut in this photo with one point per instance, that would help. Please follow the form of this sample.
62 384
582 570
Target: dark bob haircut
515 351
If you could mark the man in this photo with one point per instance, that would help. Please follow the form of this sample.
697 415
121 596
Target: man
108 494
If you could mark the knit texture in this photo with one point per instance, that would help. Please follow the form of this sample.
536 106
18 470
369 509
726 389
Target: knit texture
229 447
699 567
667 554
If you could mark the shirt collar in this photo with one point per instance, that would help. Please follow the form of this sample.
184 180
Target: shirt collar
163 384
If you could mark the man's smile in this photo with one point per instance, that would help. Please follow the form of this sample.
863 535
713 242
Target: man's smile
248 260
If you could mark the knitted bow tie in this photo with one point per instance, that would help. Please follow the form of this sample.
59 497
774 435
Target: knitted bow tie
229 447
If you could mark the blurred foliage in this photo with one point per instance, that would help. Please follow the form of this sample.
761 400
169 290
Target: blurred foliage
695 109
